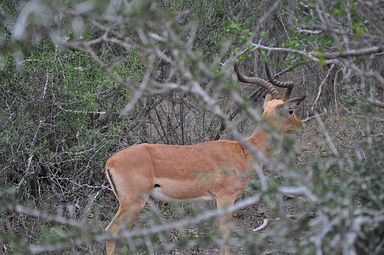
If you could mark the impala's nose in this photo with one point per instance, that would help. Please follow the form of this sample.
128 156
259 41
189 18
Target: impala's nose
294 124
298 122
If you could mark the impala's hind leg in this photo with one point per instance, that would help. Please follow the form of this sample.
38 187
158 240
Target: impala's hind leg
124 219
132 193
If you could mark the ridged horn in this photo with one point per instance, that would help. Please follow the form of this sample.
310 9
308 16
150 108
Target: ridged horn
287 84
256 80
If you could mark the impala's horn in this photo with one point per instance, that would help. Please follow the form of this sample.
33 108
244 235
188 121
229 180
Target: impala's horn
256 80
287 84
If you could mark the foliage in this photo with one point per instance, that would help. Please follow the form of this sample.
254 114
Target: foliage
83 79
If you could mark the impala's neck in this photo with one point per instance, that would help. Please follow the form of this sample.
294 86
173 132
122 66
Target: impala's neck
261 138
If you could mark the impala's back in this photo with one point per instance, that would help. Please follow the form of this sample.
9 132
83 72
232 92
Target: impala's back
179 172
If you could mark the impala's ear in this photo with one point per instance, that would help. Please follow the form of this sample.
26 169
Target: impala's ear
293 102
267 98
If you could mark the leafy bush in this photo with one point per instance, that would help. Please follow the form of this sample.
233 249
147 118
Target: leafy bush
81 80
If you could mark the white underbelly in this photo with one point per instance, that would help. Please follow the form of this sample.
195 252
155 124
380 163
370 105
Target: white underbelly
159 195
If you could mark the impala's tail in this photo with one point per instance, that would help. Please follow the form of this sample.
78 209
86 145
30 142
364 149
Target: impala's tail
111 182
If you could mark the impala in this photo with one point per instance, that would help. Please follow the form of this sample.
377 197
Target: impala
211 170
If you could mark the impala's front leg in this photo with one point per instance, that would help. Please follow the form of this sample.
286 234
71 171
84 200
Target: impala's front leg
222 202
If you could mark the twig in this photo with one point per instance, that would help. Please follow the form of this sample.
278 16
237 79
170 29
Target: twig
354 53
307 31
143 85
376 102
43 215
261 20
330 57
262 226
312 117
79 111
321 86
327 136
37 249
309 55
28 171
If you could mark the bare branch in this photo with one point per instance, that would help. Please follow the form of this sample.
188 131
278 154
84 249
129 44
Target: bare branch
328 56
376 102
354 53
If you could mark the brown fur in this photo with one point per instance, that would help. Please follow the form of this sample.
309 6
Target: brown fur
217 170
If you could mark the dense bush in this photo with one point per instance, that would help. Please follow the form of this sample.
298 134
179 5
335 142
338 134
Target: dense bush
81 80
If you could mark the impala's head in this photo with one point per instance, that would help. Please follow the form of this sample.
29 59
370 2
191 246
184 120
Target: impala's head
282 114
279 111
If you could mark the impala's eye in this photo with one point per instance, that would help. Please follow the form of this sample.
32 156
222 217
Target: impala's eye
290 112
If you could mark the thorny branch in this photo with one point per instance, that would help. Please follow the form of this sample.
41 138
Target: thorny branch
37 249
161 46
330 57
